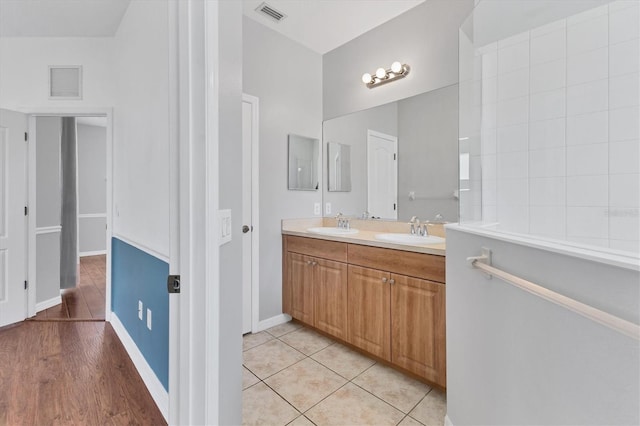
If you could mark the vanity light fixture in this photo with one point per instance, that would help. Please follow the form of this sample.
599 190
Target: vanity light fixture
382 76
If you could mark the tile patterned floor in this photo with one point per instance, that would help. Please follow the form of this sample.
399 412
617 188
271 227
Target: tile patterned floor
294 376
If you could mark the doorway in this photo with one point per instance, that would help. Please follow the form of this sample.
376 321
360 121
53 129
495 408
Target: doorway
382 175
250 212
87 292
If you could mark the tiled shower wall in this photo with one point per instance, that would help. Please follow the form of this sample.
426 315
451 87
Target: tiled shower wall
560 129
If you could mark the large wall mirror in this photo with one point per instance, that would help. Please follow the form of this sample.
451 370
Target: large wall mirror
304 154
403 158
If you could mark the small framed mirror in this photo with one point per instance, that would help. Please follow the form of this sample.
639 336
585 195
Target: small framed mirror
339 167
304 154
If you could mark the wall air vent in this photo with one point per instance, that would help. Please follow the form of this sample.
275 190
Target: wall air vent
65 82
269 11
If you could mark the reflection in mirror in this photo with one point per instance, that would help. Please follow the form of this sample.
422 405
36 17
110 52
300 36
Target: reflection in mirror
303 163
339 167
426 129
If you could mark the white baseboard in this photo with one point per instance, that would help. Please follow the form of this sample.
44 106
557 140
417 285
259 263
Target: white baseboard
272 322
92 253
157 391
41 306
447 421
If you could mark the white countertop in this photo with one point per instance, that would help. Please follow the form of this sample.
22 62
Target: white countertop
367 230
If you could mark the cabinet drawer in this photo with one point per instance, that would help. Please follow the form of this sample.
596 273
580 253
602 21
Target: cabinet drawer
331 250
419 265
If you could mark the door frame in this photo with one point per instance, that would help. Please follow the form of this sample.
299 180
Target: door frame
32 114
390 138
255 209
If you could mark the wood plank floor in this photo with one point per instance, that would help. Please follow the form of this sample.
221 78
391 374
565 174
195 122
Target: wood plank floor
85 302
70 373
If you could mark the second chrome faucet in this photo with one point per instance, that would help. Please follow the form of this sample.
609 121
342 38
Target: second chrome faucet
416 229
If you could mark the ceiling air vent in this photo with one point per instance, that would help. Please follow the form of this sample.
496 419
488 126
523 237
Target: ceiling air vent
269 11
65 82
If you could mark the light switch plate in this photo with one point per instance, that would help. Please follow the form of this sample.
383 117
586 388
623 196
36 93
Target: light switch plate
316 209
327 208
149 318
224 218
140 309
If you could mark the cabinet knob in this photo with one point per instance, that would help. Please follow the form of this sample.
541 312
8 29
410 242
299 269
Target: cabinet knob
314 263
392 281
308 262
384 279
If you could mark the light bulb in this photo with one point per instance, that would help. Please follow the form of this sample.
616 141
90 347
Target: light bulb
366 78
381 73
396 67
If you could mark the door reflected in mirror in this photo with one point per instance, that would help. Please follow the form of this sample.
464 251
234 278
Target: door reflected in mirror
304 155
339 167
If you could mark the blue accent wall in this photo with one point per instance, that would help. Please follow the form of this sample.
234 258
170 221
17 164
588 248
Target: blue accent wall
137 275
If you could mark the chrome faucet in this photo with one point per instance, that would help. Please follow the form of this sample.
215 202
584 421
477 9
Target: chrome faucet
343 222
424 231
415 223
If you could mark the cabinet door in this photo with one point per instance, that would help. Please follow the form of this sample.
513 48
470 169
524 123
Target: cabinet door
418 327
368 301
301 283
330 294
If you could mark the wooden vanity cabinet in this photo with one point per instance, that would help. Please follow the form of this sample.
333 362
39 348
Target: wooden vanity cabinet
301 282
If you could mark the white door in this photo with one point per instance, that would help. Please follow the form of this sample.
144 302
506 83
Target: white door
249 212
382 175
13 222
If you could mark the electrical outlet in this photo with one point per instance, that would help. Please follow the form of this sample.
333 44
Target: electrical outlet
327 208
140 309
316 209
149 318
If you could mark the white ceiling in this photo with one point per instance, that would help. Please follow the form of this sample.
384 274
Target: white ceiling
323 25
61 18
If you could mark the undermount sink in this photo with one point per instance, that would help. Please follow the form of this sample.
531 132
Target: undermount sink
410 239
332 230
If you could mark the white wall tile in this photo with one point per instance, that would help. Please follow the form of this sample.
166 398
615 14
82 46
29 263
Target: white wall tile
548 221
548 191
548 28
588 128
624 157
549 47
489 90
513 84
489 192
624 25
488 141
590 159
624 58
489 167
489 116
490 64
588 66
597 242
618 5
547 133
588 191
624 190
629 246
513 57
513 111
512 191
624 124
548 76
510 41
587 15
588 97
513 138
512 165
489 213
624 91
589 222
547 105
588 35
547 163
487 48
624 228
514 218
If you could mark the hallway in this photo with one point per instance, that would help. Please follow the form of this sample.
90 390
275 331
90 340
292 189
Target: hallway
68 372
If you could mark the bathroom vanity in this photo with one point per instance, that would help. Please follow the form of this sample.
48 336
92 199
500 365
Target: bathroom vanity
386 299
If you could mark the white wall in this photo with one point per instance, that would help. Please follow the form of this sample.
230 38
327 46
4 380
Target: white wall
92 188
561 129
515 359
24 79
287 78
141 129
425 38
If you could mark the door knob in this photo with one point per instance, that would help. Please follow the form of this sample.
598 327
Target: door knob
245 229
